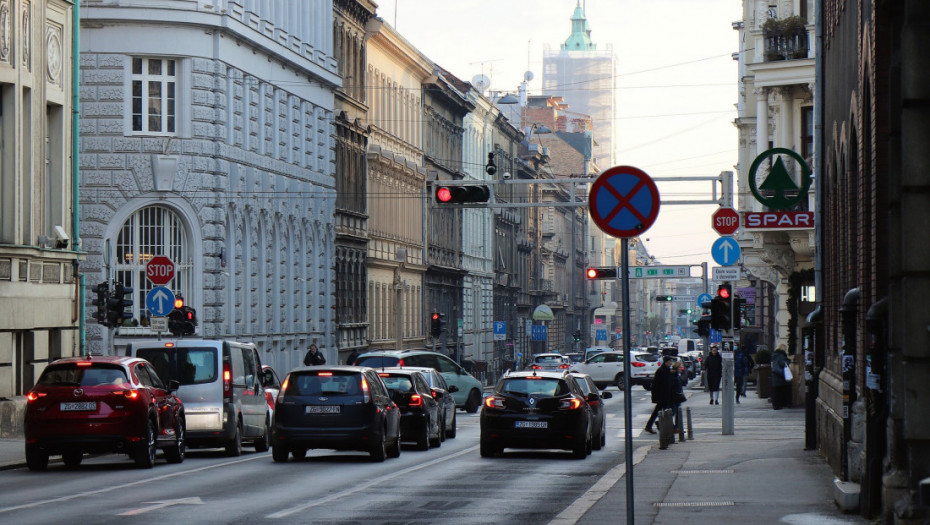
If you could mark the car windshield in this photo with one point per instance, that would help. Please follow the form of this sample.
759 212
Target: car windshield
549 359
399 383
520 386
575 358
324 384
72 375
187 366
377 361
648 358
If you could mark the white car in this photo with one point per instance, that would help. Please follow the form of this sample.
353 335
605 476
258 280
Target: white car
550 362
606 368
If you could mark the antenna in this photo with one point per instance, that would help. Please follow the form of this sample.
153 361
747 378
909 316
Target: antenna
528 76
481 82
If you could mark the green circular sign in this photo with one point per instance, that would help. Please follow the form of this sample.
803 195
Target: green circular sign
779 181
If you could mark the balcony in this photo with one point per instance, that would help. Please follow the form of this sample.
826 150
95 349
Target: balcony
786 39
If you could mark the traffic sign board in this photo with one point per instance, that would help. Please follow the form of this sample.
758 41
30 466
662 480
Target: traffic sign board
726 221
158 324
159 270
658 272
729 273
600 334
500 330
540 333
159 301
705 297
624 201
725 251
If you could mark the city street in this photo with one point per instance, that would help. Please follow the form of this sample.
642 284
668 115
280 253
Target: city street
450 484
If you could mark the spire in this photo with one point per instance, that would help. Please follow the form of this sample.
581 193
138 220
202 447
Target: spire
580 39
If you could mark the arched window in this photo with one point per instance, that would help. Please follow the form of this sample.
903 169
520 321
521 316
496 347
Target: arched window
151 231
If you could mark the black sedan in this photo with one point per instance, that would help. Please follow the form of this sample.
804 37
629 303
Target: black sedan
535 409
335 407
596 403
419 411
442 393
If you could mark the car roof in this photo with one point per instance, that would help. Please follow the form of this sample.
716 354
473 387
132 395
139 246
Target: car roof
424 369
550 354
399 352
535 373
333 368
107 359
399 371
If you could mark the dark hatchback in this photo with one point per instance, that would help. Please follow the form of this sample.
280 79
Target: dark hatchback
420 419
538 410
596 402
102 404
335 407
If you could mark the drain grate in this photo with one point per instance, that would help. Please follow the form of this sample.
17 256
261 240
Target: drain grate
724 471
694 504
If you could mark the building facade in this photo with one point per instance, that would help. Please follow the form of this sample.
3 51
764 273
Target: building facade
39 241
208 137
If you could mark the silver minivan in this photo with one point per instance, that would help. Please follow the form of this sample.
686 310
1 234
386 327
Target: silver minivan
221 388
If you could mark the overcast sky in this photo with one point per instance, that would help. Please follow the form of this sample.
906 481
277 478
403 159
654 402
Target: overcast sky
676 84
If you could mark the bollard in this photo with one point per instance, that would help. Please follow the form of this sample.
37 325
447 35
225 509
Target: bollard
690 428
666 429
681 426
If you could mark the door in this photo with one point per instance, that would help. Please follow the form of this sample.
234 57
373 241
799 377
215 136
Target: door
254 405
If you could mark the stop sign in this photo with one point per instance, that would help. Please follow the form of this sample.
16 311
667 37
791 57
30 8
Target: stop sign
159 270
726 221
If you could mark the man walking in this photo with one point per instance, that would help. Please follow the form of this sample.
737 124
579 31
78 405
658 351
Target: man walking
662 391
314 357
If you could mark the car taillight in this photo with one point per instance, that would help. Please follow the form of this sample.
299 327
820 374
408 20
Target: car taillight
435 394
366 393
535 367
415 400
400 363
227 382
637 364
572 403
494 402
563 367
283 388
32 396
270 399
129 394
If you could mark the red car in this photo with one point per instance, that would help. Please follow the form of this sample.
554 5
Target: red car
100 404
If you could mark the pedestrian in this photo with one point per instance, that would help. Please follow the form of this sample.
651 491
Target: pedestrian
353 355
781 387
713 372
314 357
662 388
680 376
742 367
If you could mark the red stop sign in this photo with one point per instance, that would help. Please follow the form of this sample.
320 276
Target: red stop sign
726 221
159 270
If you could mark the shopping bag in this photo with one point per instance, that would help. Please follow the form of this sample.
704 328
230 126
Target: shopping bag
788 376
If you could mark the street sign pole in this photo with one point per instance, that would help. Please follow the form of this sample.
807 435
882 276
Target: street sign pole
729 393
627 396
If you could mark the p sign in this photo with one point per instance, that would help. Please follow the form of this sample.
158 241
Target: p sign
159 270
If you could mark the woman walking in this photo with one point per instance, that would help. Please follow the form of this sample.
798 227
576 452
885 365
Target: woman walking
713 371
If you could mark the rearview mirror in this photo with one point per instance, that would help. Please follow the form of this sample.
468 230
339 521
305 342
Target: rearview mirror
453 388
606 395
173 386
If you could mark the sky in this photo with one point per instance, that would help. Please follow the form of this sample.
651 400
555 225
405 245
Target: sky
676 85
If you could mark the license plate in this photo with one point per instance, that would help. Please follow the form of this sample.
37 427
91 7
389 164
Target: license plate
79 406
323 409
531 424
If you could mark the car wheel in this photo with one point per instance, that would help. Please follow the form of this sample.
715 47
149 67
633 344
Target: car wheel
597 439
262 443
474 401
489 450
145 454
36 459
580 447
442 429
72 459
299 453
394 450
619 382
604 435
279 453
451 432
436 442
175 453
423 440
378 451
234 445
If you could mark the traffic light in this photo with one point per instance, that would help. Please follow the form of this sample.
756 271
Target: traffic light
720 308
437 324
101 302
601 272
664 298
117 304
470 193
576 335
702 326
183 319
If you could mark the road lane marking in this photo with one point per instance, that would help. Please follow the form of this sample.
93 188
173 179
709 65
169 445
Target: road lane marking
104 490
162 504
293 510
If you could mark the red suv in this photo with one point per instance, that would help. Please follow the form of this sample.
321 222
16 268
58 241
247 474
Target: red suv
101 404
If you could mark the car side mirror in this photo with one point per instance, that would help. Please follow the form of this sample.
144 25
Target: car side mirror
461 372
173 386
606 395
453 389
593 396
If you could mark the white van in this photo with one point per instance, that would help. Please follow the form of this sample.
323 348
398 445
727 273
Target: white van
594 350
221 388
689 345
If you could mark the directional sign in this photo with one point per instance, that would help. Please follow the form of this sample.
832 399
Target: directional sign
728 273
539 333
600 334
725 251
500 330
703 298
159 270
159 301
658 272
725 221
624 202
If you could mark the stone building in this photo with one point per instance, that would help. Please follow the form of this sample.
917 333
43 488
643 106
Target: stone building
208 137
39 242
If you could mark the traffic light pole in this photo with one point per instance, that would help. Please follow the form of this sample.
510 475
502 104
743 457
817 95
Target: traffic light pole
627 396
729 394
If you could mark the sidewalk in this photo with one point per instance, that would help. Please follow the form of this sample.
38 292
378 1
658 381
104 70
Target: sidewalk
761 474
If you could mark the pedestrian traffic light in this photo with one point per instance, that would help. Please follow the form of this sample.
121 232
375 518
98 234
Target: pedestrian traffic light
664 298
601 272
183 319
463 194
720 308
117 304
436 324
101 302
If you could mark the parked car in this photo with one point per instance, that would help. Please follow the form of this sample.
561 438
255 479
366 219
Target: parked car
442 393
101 404
595 400
538 410
690 366
420 418
550 362
337 407
468 394
221 386
606 369
594 350
575 357
271 383
698 357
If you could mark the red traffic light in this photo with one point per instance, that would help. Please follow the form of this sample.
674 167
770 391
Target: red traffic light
463 194
179 302
435 317
603 272
443 195
723 291
592 273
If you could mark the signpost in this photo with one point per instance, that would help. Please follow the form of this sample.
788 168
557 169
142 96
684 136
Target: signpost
159 301
657 272
500 330
726 251
159 270
726 273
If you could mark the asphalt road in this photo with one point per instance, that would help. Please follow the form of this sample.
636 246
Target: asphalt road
451 484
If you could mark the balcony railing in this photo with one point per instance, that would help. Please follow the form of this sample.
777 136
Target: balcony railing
788 45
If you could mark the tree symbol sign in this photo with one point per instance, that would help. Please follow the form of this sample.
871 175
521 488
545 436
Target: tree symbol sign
779 191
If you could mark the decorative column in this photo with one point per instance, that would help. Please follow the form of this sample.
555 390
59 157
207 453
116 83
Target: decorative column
784 126
762 119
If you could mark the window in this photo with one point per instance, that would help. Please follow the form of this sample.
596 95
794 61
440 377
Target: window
151 231
154 84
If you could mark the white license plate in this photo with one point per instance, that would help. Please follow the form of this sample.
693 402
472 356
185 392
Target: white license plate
79 406
531 424
323 409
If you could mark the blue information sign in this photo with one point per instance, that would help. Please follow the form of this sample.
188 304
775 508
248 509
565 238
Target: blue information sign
500 330
540 333
159 301
725 251
600 334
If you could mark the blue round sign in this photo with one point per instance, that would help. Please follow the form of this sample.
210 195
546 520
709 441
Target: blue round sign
159 301
725 251
624 202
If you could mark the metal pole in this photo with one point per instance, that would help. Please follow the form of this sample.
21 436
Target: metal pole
627 396
729 399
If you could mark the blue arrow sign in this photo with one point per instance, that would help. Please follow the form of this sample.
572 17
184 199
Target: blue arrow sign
159 301
725 251
703 298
